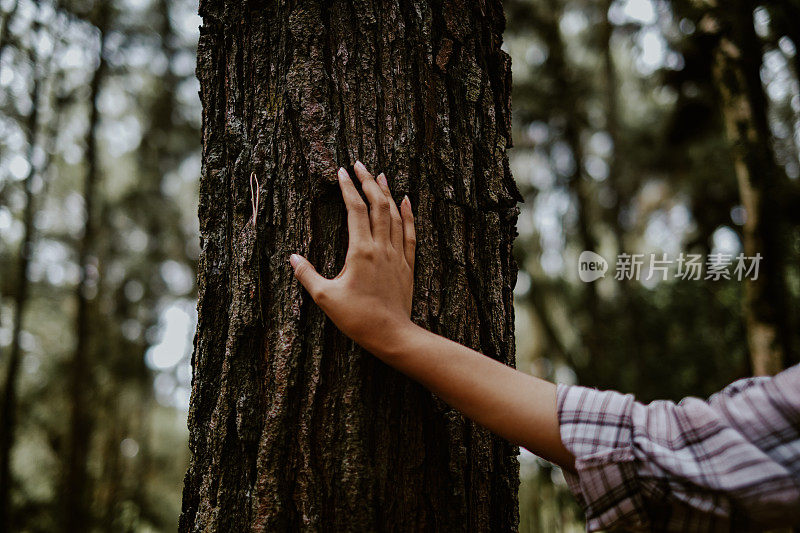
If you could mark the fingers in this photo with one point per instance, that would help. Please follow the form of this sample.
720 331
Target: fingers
409 233
357 215
307 276
396 223
378 204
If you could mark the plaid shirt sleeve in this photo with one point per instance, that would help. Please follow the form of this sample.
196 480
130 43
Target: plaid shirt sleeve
729 463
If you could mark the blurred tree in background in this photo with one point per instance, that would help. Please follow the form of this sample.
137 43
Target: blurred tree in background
645 126
98 166
640 126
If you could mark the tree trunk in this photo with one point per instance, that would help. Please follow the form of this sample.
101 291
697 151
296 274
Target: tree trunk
611 94
293 426
737 60
627 288
76 500
8 401
5 25
569 113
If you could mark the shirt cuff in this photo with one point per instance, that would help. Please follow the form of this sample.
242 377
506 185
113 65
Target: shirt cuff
596 427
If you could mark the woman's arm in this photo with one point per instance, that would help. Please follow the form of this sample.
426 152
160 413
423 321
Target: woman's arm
370 301
512 404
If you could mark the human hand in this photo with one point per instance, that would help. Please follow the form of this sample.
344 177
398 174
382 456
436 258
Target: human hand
370 299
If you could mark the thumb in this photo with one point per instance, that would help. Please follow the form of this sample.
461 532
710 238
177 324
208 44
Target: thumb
307 275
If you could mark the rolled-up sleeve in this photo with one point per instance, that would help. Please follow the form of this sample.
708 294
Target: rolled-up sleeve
729 463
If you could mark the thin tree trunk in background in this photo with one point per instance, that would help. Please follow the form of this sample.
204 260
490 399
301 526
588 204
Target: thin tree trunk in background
572 117
292 426
75 491
626 287
110 484
737 61
612 124
5 25
8 407
158 158
538 299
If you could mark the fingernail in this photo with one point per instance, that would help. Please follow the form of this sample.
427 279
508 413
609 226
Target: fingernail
359 163
294 259
406 200
343 175
382 180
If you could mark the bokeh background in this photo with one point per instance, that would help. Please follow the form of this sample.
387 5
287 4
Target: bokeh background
619 144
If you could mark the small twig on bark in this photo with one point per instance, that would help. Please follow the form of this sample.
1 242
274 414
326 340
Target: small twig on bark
255 196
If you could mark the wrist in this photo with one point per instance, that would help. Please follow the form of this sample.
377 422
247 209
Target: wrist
397 340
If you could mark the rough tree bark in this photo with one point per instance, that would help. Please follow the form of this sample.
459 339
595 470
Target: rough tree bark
292 426
737 63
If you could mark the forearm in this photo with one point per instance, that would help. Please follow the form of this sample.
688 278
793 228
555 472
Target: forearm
512 404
